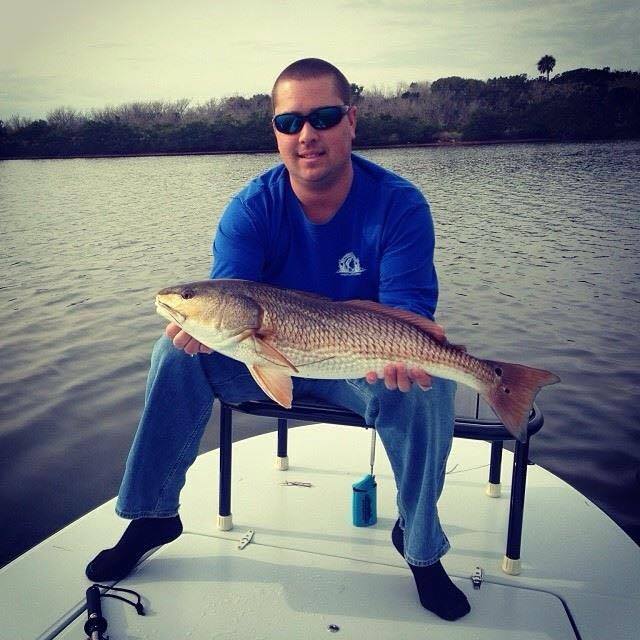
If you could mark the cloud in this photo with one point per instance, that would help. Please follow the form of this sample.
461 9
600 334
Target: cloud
107 45
91 56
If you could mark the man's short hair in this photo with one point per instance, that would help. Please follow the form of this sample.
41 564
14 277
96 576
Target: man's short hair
312 68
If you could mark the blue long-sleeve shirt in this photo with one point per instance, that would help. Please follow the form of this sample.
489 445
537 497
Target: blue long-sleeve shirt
378 246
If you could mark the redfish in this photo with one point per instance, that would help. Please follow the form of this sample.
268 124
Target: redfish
278 333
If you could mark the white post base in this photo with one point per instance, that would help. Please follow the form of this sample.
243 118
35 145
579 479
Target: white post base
282 463
225 523
511 566
493 490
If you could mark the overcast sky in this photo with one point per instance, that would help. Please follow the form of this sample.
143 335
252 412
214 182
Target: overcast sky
85 53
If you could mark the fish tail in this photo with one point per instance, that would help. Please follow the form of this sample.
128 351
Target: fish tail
512 394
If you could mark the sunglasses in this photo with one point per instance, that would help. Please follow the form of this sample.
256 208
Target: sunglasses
321 118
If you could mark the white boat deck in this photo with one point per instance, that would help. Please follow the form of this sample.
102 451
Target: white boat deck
308 567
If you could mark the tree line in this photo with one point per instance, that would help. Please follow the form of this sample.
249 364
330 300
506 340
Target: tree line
582 104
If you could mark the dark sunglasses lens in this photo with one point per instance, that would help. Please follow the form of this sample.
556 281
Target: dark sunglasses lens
323 118
326 117
288 123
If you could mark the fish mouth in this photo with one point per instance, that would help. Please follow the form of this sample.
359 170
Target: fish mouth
169 313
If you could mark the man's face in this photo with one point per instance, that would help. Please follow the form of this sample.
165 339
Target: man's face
315 159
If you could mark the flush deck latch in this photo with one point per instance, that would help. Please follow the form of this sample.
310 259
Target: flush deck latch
477 577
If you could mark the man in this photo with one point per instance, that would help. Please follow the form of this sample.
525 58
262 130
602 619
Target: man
335 224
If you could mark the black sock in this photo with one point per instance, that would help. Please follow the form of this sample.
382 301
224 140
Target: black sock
437 592
140 537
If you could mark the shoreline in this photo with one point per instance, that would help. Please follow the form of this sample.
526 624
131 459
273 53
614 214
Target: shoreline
412 145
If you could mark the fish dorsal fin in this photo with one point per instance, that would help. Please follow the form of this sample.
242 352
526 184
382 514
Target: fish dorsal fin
277 385
428 326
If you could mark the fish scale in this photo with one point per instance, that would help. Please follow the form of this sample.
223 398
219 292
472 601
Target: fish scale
370 342
279 333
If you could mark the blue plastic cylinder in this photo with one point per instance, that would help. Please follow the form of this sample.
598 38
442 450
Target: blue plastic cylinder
364 501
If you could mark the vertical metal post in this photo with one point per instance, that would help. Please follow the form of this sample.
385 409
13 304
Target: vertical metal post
282 438
494 488
511 563
224 508
496 462
282 459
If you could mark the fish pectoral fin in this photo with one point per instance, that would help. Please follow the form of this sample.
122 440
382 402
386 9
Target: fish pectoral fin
277 385
270 353
231 340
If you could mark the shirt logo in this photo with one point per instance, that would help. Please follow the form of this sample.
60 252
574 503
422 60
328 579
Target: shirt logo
349 265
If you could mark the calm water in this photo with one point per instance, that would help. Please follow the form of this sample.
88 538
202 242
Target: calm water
538 261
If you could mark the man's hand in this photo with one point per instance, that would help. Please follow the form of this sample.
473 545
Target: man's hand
397 376
182 340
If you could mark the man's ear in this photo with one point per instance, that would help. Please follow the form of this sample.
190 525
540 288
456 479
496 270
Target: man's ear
352 115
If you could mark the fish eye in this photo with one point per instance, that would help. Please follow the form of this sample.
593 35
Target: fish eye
187 293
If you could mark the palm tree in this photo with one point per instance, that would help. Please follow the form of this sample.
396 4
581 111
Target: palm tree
546 64
356 92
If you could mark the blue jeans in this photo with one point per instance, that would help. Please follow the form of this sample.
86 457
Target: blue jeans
416 429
